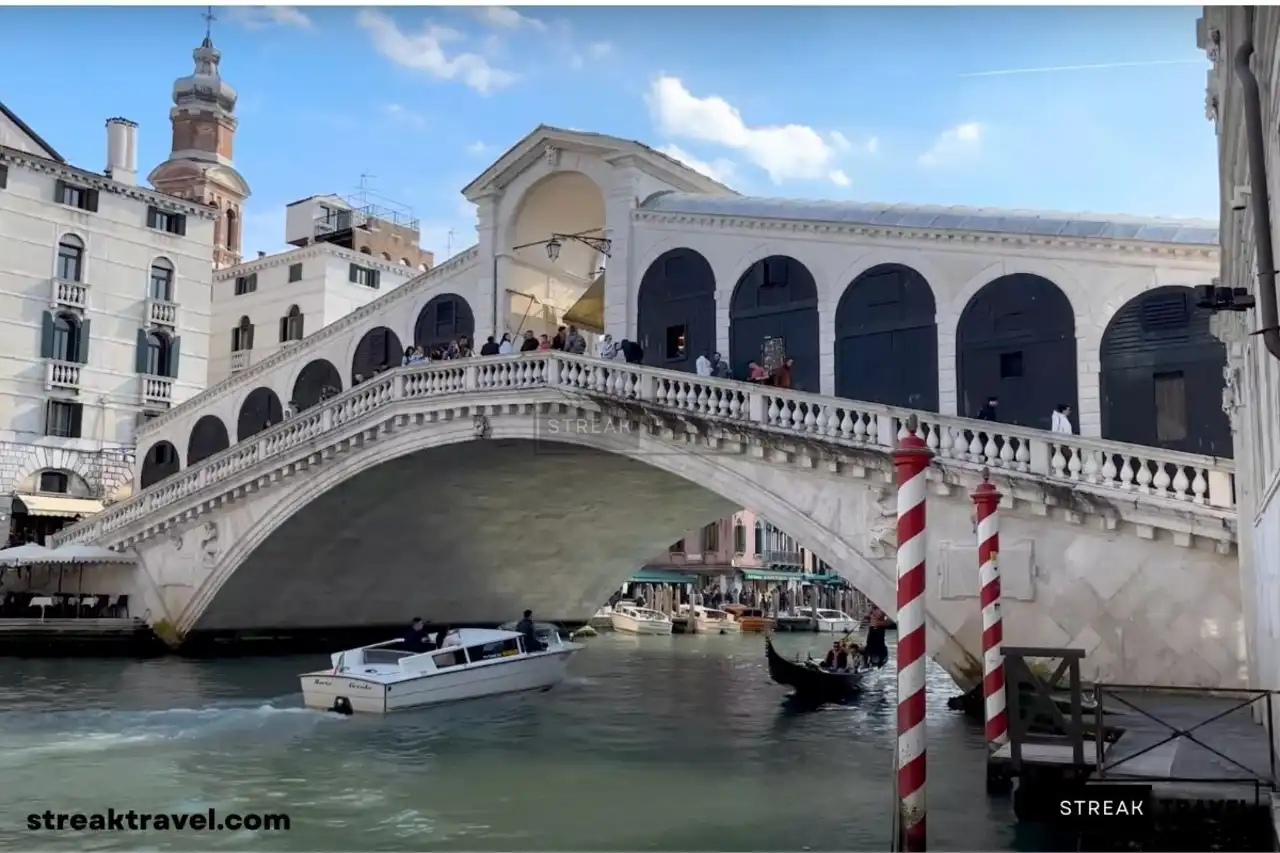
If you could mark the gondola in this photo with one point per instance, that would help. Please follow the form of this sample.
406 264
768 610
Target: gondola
810 682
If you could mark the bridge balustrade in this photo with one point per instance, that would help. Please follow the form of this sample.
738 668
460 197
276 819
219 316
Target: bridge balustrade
1138 473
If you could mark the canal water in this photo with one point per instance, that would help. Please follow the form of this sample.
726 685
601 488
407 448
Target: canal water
654 743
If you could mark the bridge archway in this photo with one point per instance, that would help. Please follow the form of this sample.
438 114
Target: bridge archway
445 318
208 436
260 410
469 538
540 289
887 339
161 461
1161 375
378 350
317 380
1016 340
776 300
676 310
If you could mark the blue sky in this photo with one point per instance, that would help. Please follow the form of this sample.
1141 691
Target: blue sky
860 103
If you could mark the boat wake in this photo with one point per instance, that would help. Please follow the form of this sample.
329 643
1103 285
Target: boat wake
26 738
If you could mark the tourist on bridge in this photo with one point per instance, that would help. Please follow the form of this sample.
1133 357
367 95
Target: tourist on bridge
756 373
574 342
988 412
506 347
1062 420
530 343
489 347
607 350
781 376
416 639
702 366
544 343
557 342
720 367
632 351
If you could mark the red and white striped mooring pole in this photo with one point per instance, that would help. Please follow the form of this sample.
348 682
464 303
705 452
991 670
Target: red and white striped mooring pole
986 500
911 459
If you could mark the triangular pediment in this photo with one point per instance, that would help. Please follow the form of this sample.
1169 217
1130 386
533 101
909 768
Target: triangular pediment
526 152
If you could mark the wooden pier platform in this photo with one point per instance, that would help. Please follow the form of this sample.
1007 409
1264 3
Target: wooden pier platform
1198 750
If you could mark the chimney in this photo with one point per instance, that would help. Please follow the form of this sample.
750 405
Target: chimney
261 254
122 150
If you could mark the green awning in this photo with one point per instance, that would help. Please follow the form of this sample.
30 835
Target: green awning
662 576
588 311
771 575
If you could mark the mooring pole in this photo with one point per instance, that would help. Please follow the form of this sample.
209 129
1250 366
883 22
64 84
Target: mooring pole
986 501
911 460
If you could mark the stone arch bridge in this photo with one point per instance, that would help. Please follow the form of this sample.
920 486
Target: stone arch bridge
469 490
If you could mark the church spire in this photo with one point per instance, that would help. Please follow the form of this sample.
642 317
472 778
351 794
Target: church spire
208 26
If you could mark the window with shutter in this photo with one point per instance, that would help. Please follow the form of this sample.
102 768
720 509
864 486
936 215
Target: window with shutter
4 177
295 272
175 350
82 350
63 419
353 274
284 329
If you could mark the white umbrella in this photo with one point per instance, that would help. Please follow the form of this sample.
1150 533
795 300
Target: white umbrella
84 555
30 554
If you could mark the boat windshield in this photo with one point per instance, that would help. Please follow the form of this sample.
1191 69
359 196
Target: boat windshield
547 634
831 614
376 656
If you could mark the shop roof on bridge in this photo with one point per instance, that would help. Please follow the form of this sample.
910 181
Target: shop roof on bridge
1198 232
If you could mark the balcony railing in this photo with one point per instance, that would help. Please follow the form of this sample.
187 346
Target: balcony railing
68 294
156 390
240 360
783 558
161 312
1126 474
62 374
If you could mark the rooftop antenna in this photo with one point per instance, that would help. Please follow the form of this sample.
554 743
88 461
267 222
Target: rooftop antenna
448 244
208 23
363 195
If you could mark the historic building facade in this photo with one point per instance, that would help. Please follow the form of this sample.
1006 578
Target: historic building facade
1241 45
104 295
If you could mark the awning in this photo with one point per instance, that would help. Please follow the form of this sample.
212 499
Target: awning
30 554
55 506
80 554
771 575
588 312
662 576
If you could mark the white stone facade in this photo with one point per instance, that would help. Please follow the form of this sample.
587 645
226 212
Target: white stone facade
79 253
1253 387
265 535
309 288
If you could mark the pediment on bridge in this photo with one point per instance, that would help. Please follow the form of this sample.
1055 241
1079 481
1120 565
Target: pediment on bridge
546 142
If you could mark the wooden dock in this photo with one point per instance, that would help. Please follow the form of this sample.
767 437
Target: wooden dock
1198 750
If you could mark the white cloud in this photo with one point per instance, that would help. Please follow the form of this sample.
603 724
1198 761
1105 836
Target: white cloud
718 170
477 148
954 143
258 17
839 178
599 50
786 152
425 51
402 114
504 17
873 145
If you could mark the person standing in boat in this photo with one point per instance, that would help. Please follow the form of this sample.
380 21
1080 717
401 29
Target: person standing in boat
877 651
416 640
526 627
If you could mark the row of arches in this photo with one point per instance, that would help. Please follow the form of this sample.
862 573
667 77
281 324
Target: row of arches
70 266
1161 375
1160 380
444 318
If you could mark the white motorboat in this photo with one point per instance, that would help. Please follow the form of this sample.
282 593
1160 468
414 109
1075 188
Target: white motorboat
603 619
474 662
711 621
630 619
829 621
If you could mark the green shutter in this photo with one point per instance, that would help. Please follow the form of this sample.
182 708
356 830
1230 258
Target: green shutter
83 350
180 220
152 214
140 355
4 177
284 329
174 351
46 336
91 201
353 274
373 278
59 191
77 419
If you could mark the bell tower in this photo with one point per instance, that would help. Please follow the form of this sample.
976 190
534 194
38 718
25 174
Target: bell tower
200 166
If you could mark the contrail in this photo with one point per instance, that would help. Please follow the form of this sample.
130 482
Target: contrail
1005 72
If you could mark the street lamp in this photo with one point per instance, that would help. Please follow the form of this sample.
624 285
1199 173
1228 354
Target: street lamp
553 249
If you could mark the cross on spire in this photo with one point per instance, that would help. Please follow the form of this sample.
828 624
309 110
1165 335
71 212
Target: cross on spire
208 23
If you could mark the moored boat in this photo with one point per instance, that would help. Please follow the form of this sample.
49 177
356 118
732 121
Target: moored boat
474 662
810 681
708 620
602 619
828 621
750 619
630 619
